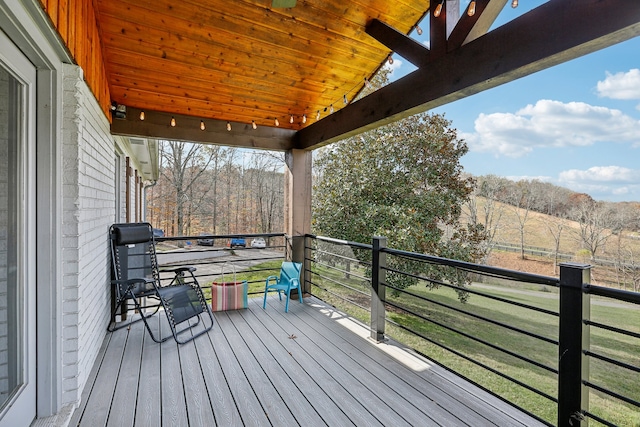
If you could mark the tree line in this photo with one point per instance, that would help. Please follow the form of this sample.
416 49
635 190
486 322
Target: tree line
217 190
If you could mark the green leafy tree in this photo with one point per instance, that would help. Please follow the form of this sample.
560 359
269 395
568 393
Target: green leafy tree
403 181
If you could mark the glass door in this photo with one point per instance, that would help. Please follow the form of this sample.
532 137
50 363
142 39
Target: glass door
17 242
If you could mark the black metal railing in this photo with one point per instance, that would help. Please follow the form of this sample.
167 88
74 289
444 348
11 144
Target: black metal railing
529 339
217 260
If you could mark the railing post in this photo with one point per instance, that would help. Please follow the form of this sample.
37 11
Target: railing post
378 288
573 365
306 266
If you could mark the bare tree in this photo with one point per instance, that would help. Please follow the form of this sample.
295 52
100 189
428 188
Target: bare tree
627 266
521 199
555 226
596 222
488 212
268 189
182 164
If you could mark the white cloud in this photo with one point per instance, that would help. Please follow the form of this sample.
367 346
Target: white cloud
621 85
610 174
551 124
603 182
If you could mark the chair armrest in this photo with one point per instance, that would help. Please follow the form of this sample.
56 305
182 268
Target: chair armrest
291 283
276 278
176 270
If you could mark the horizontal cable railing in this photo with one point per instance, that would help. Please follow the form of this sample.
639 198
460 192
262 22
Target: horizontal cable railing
526 338
457 318
327 279
612 363
217 261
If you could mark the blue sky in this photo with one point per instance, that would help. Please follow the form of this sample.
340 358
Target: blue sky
576 125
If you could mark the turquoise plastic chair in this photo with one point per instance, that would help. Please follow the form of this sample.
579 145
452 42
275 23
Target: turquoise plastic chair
289 279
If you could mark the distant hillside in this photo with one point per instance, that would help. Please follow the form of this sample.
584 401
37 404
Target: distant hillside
537 235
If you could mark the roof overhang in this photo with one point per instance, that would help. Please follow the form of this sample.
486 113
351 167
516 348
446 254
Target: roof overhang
330 63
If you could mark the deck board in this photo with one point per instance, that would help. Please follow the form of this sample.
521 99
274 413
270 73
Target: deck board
313 366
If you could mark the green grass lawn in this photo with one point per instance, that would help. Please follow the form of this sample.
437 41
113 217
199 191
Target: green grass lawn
604 342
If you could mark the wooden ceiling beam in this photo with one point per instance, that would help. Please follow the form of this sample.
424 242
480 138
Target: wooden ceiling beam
553 33
403 45
156 125
470 28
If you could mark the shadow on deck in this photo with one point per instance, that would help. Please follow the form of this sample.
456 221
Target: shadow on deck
313 366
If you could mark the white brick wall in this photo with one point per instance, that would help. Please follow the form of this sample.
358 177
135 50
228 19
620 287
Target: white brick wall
88 210
4 100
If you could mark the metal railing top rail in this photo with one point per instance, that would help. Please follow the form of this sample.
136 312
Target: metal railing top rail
618 294
478 268
218 236
340 242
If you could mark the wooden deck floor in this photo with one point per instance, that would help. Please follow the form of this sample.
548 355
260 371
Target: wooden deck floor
310 367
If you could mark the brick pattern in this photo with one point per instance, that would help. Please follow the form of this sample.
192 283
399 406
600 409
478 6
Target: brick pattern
4 143
88 210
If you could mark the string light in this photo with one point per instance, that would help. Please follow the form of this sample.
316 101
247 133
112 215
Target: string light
438 11
292 118
141 115
418 30
390 59
472 8
514 3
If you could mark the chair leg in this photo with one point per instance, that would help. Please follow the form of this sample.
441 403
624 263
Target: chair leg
264 303
286 304
300 294
112 323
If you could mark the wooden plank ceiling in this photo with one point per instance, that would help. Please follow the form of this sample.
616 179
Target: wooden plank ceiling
244 61
218 61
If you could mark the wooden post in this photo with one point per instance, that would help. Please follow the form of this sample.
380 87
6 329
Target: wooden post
297 201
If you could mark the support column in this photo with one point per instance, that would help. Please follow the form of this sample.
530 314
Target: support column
297 202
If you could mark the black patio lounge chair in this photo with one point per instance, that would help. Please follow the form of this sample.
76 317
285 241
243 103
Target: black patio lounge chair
136 279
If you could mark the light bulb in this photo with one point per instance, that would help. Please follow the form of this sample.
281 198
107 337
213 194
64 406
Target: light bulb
366 82
390 59
472 8
331 109
253 124
438 10
202 126
291 119
276 122
514 3
304 118
173 122
229 126
418 30
141 115
318 115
